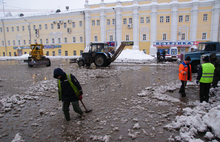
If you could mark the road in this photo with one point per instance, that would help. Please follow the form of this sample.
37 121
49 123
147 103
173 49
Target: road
130 102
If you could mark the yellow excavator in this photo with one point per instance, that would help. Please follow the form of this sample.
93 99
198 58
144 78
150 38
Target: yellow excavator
36 56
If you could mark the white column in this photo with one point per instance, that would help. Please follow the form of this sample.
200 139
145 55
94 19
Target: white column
135 28
88 28
103 26
118 26
174 22
194 19
153 32
215 21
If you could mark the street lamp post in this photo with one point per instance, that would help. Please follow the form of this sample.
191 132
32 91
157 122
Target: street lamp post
115 29
29 29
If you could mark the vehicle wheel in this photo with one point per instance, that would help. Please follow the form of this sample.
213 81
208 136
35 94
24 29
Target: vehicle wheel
100 61
194 66
81 63
49 63
29 65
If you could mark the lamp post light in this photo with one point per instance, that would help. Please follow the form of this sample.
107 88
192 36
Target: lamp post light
29 29
115 29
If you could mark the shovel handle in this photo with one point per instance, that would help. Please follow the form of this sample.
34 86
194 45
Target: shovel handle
83 105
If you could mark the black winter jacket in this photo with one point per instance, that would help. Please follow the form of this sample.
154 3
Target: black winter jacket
68 93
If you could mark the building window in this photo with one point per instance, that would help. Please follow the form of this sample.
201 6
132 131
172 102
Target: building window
96 38
127 38
81 39
3 53
15 54
3 43
130 20
9 53
183 36
144 37
64 25
22 28
147 19
51 26
167 19
13 42
125 21
52 40
108 21
161 19
47 53
19 42
73 24
66 53
35 41
46 41
45 26
41 42
113 21
81 51
142 20
1 29
93 22
7 29
80 23
164 36
8 42
12 29
53 53
205 17
98 22
203 35
74 39
111 37
34 27
40 27
24 42
186 18
59 41
180 18
17 28
58 25
65 40
74 52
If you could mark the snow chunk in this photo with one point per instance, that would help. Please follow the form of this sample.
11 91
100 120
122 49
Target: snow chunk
17 138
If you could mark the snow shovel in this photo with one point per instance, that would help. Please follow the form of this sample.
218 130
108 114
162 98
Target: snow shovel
87 111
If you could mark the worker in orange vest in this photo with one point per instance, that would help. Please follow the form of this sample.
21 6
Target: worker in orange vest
185 74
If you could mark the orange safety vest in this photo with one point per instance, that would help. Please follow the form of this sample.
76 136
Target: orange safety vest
182 69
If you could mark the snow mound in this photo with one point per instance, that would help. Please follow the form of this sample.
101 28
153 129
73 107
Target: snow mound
129 54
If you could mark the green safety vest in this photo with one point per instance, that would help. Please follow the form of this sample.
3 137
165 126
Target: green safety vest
207 73
71 84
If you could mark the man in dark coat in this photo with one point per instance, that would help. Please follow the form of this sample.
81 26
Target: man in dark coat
67 92
216 62
164 55
158 55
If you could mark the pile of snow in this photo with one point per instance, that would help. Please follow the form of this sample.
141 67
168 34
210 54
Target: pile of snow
133 55
198 119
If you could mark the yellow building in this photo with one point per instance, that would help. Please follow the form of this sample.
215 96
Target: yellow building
150 24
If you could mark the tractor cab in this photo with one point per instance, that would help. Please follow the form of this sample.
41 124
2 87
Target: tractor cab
98 47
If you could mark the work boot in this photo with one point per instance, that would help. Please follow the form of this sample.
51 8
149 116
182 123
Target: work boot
183 94
67 117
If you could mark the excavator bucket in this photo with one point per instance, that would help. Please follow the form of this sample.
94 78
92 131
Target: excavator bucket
120 49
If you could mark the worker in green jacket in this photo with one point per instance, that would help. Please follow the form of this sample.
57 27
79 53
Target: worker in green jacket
205 78
69 91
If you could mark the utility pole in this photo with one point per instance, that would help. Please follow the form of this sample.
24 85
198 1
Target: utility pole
115 29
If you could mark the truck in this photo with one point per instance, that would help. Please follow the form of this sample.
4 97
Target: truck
204 49
99 55
36 56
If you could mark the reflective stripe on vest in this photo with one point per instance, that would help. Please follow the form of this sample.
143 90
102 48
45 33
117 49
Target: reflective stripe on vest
207 73
71 84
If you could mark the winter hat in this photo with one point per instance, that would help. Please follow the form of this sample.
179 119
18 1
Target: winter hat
188 58
206 59
58 72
